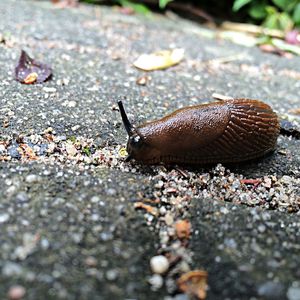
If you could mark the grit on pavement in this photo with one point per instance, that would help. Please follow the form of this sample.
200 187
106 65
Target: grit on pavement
70 227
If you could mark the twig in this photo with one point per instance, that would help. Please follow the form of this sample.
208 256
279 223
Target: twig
221 97
227 59
253 29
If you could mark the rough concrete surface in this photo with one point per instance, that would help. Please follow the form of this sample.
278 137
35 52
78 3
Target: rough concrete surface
68 226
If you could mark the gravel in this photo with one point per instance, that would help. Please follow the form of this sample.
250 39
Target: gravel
79 222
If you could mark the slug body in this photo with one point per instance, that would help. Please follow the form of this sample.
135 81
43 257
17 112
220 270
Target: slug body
229 131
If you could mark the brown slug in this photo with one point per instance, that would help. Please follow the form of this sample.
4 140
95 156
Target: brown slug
221 132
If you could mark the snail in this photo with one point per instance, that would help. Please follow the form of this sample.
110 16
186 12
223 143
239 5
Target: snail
230 131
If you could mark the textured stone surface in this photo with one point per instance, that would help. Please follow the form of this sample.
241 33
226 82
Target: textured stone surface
71 233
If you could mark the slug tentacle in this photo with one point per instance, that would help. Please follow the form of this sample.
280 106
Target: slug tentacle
125 120
230 131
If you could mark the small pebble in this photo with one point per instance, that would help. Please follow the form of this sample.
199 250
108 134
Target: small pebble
22 197
112 274
271 290
156 282
91 261
293 293
16 292
13 151
159 264
31 178
4 218
169 219
49 89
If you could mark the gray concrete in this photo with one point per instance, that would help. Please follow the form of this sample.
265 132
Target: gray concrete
71 232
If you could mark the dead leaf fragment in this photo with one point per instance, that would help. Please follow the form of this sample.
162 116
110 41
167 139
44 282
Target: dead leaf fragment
194 283
27 152
254 182
30 71
159 60
295 111
31 78
150 209
183 229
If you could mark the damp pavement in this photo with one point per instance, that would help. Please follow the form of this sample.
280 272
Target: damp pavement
69 228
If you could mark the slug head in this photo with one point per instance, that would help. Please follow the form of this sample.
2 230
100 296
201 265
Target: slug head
137 147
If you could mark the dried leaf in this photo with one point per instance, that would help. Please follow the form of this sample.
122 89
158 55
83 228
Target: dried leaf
194 283
159 60
30 71
150 209
271 49
183 229
295 111
254 182
253 29
31 78
27 152
239 38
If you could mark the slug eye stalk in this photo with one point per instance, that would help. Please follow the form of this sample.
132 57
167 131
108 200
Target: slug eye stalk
125 120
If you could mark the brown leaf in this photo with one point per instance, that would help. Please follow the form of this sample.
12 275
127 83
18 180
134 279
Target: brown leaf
30 71
150 209
31 78
271 49
194 283
183 229
27 152
254 182
295 111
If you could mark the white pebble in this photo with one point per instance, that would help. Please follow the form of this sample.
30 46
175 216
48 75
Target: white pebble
49 89
156 282
293 293
4 217
169 219
159 264
31 178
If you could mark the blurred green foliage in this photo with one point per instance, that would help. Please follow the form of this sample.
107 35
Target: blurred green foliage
137 7
141 8
274 14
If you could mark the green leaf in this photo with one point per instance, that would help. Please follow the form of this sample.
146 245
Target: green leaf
285 22
87 151
258 11
281 3
296 14
264 39
138 8
238 4
271 21
72 138
271 10
291 6
164 3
